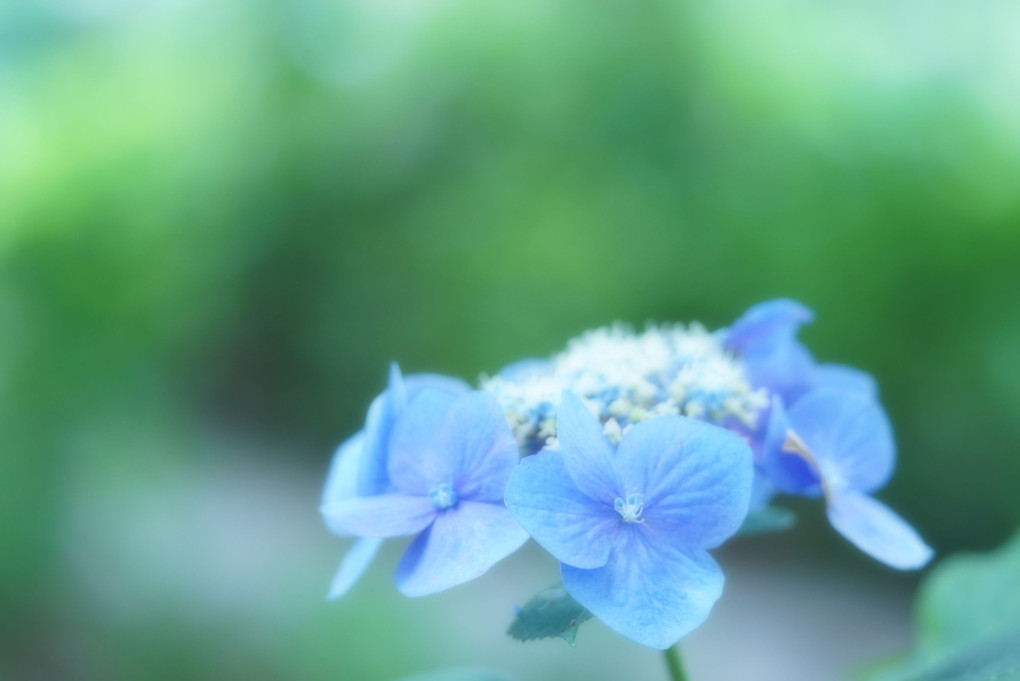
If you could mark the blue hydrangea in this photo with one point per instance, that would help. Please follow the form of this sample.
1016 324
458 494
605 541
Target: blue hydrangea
632 523
838 444
447 461
825 433
359 466
741 378
627 456
765 339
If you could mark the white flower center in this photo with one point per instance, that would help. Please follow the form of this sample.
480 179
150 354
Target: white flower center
631 376
631 509
443 496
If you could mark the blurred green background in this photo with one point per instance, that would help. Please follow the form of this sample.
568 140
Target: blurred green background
220 221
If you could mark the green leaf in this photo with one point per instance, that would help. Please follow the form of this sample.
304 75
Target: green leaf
550 613
994 659
769 519
969 597
968 613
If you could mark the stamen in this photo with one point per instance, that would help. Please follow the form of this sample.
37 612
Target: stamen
631 509
794 445
443 496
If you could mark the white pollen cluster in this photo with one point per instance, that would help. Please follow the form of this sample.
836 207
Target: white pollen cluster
626 377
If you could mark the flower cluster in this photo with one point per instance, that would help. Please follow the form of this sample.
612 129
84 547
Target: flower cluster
628 377
627 457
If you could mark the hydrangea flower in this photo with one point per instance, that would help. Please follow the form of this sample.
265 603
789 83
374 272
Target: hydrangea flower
826 433
631 524
765 338
448 458
359 466
642 451
838 444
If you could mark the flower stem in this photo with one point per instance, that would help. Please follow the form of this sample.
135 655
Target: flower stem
674 663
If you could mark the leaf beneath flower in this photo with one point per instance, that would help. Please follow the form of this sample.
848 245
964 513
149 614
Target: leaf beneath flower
551 613
767 520
969 621
994 659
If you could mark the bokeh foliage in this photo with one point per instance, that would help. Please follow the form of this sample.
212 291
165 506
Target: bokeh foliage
968 619
228 217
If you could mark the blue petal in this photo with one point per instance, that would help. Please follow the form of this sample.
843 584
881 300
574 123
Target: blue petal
355 562
765 338
544 499
463 441
382 414
382 515
762 491
373 478
418 383
787 370
587 453
846 378
653 596
485 449
849 435
524 369
414 465
342 478
789 472
462 544
766 326
695 477
875 529
397 389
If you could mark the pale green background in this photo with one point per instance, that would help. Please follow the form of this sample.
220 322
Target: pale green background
220 221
